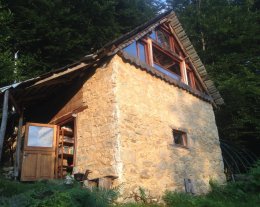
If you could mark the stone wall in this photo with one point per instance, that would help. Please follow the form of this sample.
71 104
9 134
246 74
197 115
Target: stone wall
126 131
147 110
96 126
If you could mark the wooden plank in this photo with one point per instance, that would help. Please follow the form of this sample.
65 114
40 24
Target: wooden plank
38 161
16 106
17 164
4 121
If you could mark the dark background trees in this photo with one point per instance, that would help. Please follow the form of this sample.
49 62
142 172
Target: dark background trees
48 34
226 34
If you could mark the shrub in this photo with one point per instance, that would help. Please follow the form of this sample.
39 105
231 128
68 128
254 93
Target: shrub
245 193
53 194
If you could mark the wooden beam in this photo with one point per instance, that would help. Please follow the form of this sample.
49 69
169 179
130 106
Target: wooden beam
16 106
4 121
68 115
17 164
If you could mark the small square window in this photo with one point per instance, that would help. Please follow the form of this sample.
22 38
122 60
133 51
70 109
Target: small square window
180 138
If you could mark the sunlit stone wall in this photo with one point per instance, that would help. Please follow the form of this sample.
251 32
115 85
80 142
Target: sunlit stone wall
149 109
126 131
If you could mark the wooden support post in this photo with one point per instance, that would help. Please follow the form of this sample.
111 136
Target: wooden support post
16 106
4 121
17 164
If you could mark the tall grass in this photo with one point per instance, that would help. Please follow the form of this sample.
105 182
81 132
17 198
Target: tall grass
52 194
245 193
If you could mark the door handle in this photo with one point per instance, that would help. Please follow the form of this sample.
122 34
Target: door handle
25 155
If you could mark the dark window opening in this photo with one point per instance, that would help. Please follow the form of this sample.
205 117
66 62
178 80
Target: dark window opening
180 138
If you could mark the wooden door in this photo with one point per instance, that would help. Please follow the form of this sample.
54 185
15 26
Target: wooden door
39 152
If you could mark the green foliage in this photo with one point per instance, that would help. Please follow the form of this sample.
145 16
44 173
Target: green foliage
226 35
6 57
179 199
244 193
139 205
52 33
52 194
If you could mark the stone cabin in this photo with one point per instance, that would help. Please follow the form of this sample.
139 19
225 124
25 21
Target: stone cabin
139 112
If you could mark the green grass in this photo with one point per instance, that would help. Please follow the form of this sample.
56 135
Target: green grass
52 194
56 194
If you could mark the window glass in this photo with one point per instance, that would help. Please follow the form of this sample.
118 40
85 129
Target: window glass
141 54
166 72
40 136
163 39
153 35
131 49
163 61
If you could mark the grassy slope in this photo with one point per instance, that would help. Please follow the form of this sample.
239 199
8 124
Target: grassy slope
55 194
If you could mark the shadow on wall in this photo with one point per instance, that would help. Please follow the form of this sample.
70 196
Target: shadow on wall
204 160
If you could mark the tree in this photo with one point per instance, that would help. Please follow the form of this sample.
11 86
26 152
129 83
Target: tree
6 57
52 33
226 35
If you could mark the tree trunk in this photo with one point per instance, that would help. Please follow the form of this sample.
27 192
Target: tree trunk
203 41
4 121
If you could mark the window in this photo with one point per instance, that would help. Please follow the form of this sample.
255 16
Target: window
131 49
161 50
190 76
166 64
192 80
39 136
138 49
141 51
180 138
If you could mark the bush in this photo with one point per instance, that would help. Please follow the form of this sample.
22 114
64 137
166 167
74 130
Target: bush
245 193
52 194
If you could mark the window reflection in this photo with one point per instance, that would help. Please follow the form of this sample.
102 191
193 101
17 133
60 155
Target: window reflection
163 61
40 136
153 35
141 50
131 49
163 39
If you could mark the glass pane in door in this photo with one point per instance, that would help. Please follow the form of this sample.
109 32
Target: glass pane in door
40 136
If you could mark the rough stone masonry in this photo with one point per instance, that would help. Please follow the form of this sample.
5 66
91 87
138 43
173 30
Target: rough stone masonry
126 131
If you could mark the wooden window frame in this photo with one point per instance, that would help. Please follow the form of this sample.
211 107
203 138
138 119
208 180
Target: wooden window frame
146 50
183 136
177 59
187 72
190 75
195 83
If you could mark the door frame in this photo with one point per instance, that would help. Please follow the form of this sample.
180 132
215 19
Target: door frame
61 121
